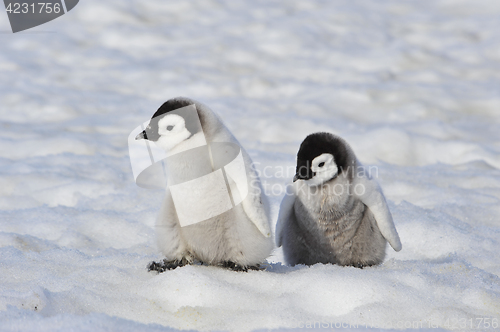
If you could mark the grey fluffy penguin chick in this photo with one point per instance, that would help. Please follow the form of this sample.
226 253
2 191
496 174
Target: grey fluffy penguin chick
334 212
240 238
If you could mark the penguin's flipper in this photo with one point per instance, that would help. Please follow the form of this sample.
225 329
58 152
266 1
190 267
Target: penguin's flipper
256 207
285 214
374 199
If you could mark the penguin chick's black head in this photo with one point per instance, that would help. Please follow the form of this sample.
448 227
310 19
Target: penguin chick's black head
151 132
315 145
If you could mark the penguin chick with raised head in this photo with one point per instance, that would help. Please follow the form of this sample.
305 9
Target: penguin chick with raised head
240 238
334 212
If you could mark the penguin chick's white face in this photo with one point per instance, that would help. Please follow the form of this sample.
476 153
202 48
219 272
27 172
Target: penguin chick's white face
321 158
324 169
172 131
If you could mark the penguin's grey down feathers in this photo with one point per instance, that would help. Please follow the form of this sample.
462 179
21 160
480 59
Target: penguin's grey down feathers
240 235
323 224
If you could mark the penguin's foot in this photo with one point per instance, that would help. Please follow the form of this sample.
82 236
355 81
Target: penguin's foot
164 265
358 265
362 265
240 268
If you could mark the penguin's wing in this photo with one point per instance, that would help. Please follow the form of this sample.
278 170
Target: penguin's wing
257 209
372 196
256 205
285 214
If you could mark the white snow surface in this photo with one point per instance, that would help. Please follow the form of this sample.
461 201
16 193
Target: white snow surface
413 86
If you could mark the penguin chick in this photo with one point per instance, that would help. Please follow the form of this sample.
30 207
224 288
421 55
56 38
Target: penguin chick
333 212
238 239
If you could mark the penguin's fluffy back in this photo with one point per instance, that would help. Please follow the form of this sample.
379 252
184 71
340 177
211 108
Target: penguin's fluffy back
256 205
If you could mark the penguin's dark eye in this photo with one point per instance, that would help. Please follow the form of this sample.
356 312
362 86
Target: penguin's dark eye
170 128
321 164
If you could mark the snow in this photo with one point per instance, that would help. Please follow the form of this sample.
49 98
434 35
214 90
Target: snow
413 86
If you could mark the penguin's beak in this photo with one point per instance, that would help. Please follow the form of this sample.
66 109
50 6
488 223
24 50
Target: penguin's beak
301 177
142 135
303 171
